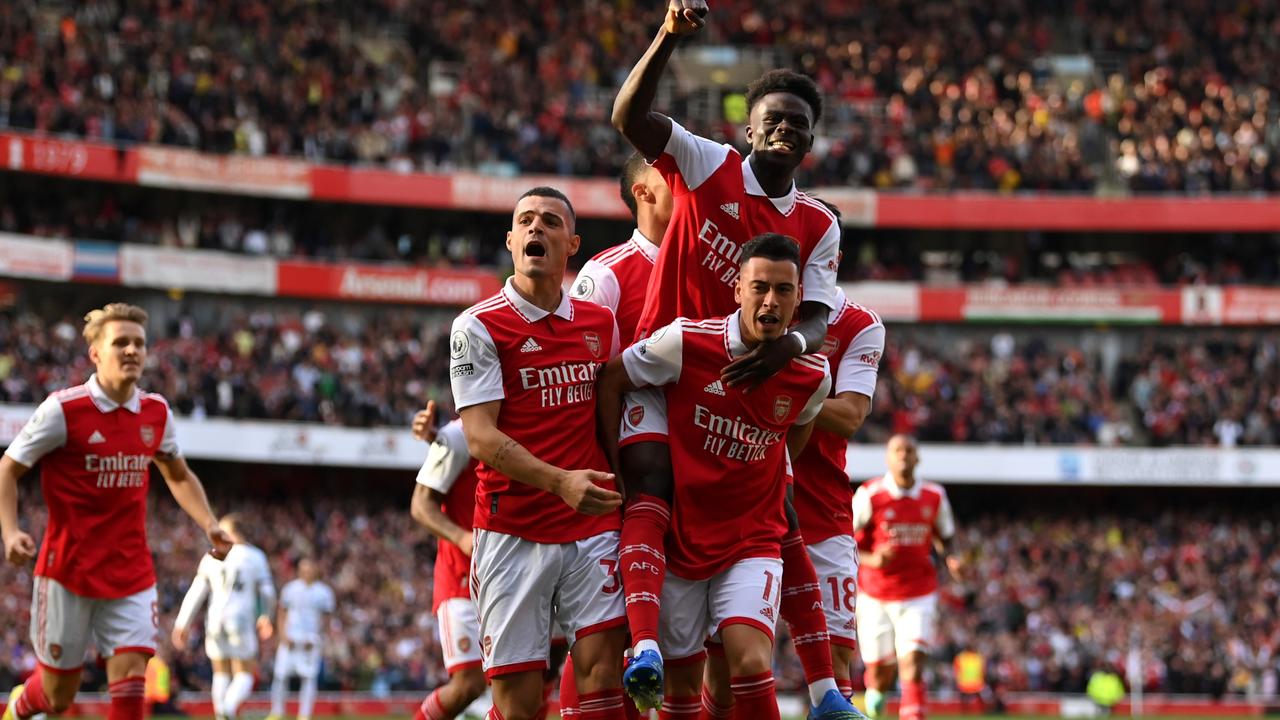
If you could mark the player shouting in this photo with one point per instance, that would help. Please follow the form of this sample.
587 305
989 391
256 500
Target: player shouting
94 578
546 520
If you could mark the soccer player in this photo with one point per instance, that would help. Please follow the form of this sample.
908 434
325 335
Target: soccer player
242 599
523 370
94 578
618 277
444 503
305 602
898 521
724 574
721 200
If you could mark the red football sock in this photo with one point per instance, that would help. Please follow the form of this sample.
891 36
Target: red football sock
802 609
912 707
603 705
846 688
32 700
679 707
754 697
644 565
568 691
869 676
126 698
431 708
711 710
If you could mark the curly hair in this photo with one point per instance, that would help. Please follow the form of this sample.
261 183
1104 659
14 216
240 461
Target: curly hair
787 81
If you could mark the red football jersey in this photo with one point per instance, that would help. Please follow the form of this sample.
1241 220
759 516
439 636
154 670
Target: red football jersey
728 447
95 458
618 279
543 367
823 493
907 520
718 206
451 471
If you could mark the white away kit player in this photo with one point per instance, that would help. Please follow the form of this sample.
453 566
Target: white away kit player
305 602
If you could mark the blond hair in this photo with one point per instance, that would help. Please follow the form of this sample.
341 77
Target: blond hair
97 319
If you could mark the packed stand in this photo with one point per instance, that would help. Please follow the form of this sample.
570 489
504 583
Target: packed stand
361 369
1049 596
1174 389
377 369
1054 597
926 94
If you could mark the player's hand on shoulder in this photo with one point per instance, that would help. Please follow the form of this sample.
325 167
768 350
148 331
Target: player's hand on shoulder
685 17
265 628
220 541
424 423
579 490
19 547
761 363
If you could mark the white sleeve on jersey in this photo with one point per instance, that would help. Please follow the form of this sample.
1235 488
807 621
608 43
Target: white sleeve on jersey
597 284
45 432
861 508
475 370
615 347
945 523
199 590
289 595
657 360
860 364
328 603
814 405
818 278
696 157
447 457
169 442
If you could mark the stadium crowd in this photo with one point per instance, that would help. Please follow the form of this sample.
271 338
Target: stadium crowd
365 369
1071 96
1051 596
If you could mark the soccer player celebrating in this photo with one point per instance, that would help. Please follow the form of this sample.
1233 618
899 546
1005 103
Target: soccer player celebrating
720 201
242 599
724 576
618 277
444 503
305 601
898 521
94 578
546 519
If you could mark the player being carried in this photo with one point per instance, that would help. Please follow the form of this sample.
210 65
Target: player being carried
721 200
305 603
723 575
94 578
899 521
242 599
546 519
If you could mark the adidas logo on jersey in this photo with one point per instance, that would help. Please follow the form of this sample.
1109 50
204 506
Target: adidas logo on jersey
731 209
96 438
714 388
530 345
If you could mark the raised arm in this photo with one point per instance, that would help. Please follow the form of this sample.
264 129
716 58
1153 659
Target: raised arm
633 113
502 453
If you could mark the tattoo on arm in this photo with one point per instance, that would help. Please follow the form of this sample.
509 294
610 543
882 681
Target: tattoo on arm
501 454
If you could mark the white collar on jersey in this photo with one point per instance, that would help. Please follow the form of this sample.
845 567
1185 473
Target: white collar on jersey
897 492
647 246
106 404
733 337
841 303
785 204
532 313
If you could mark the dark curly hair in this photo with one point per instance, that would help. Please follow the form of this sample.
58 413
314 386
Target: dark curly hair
787 81
632 169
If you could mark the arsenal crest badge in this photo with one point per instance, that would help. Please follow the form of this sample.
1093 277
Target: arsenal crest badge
593 343
635 415
781 406
148 434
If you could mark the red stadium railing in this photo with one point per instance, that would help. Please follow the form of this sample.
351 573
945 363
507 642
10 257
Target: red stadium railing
597 197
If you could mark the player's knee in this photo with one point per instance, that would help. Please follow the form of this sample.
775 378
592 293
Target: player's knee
60 702
647 469
751 660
